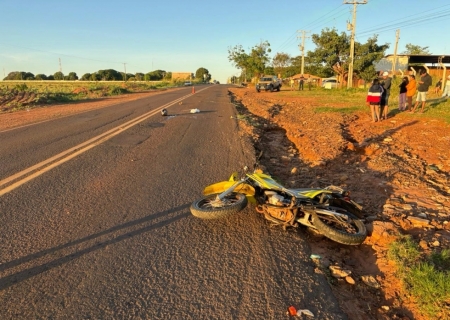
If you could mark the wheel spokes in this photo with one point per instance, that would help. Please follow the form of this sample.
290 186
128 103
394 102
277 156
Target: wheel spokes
339 222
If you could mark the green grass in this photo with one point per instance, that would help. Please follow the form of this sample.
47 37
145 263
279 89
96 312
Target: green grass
348 110
425 277
435 108
49 92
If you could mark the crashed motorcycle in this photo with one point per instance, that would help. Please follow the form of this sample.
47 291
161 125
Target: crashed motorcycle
328 211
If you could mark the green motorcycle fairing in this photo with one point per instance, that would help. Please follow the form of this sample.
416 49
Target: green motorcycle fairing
267 182
264 181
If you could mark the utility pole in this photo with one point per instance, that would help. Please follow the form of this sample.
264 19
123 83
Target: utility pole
60 68
394 63
352 41
125 73
302 49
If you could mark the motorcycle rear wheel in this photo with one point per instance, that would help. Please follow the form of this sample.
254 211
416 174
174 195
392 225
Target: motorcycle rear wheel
231 204
349 230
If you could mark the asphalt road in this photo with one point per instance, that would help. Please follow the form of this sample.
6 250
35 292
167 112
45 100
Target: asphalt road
95 222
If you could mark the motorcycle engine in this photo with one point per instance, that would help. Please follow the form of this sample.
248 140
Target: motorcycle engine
276 209
276 199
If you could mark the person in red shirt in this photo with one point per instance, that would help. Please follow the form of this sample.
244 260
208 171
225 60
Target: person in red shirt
373 99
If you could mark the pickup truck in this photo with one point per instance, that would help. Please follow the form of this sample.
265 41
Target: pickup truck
268 83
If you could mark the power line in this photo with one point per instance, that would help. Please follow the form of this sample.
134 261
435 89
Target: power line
410 20
320 21
291 39
68 55
431 15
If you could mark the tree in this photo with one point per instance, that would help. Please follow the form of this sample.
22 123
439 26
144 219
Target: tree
13 76
95 77
280 62
269 70
72 76
331 48
202 74
58 75
28 76
19 75
332 55
139 76
154 75
239 58
40 76
109 75
253 63
415 49
259 58
86 77
365 57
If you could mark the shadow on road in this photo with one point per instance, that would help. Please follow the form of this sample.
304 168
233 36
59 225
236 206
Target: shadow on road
20 276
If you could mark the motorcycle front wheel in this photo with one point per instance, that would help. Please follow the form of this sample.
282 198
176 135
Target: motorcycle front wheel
210 207
345 228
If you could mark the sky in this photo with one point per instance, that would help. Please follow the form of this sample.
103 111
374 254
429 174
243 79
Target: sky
84 36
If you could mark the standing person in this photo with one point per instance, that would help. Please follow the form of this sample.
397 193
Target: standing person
292 84
402 95
309 83
384 106
373 99
437 87
410 91
446 88
424 83
300 83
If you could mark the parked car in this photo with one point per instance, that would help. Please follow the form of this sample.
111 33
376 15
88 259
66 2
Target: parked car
268 83
188 83
330 83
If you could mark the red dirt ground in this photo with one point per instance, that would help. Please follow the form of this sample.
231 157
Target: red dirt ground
398 169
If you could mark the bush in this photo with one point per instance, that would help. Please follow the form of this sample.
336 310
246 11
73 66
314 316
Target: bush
115 90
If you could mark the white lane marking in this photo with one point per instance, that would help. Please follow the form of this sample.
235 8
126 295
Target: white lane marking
65 156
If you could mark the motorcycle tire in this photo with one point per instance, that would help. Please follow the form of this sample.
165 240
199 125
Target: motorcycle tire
350 232
348 206
233 203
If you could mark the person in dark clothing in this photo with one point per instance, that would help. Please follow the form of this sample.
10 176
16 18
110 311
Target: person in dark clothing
384 106
300 83
402 94
373 99
437 87
424 83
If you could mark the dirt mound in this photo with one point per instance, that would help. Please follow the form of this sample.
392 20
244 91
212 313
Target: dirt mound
398 169
16 99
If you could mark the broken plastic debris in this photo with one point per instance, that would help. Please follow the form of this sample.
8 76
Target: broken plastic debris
306 312
292 311
195 111
315 256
